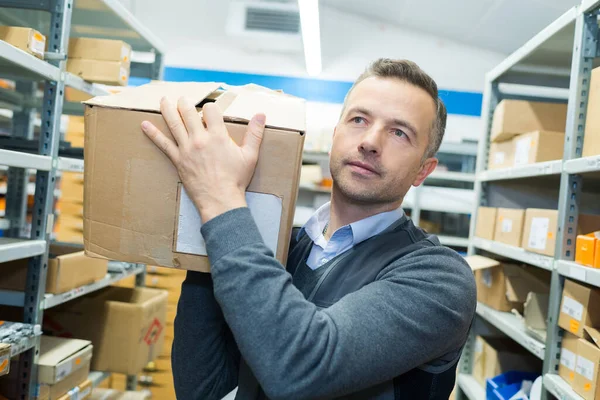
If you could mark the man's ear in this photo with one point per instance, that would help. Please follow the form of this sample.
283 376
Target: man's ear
427 168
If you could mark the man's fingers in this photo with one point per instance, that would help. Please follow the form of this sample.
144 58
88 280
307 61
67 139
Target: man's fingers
214 119
161 141
189 115
254 134
173 119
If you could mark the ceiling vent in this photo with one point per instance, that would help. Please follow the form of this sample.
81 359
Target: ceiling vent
266 24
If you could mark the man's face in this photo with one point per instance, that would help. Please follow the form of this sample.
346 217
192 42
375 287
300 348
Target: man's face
380 141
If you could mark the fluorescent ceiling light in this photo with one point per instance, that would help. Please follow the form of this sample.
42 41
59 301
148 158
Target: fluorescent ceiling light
311 35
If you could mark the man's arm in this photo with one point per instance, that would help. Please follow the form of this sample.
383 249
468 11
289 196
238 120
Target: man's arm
205 357
414 314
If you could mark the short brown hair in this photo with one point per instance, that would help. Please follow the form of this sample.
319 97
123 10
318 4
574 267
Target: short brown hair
410 72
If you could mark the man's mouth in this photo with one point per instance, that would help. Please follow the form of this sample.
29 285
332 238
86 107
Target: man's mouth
363 168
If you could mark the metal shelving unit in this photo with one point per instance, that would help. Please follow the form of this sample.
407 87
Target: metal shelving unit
470 387
58 20
559 388
512 252
555 65
512 326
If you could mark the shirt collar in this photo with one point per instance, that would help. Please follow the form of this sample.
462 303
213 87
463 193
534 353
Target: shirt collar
361 230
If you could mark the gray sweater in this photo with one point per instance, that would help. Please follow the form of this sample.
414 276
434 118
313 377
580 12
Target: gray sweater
416 314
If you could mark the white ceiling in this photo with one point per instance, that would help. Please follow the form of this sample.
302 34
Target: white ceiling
499 25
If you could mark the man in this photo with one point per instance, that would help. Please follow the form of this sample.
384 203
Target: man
370 307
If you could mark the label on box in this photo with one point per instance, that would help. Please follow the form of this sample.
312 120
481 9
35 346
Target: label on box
574 326
486 277
499 158
265 208
124 74
572 307
538 233
63 370
585 367
507 225
125 54
38 44
4 364
522 147
568 359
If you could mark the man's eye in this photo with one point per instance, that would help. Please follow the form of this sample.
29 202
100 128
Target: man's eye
358 120
399 132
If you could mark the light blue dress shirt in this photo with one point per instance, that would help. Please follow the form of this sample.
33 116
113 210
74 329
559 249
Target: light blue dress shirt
344 238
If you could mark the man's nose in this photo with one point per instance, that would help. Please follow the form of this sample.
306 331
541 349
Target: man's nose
371 140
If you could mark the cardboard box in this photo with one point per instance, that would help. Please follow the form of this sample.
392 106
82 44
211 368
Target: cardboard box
587 249
66 271
568 358
486 222
512 117
501 155
539 233
59 389
580 307
586 367
164 229
69 235
107 72
591 139
494 356
112 394
70 209
538 146
4 358
162 271
26 39
504 287
60 357
81 392
126 326
76 96
100 49
509 226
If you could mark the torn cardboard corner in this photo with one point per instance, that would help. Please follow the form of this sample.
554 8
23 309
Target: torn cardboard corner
504 286
133 208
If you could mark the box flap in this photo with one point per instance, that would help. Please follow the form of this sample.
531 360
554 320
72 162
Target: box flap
147 97
592 334
283 111
53 350
480 262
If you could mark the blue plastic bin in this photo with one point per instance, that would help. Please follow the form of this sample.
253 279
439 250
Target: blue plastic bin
506 385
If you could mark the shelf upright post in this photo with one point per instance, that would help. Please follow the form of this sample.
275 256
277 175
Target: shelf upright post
585 49
43 217
491 97
16 194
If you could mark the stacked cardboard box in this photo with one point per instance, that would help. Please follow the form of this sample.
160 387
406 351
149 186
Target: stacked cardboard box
67 270
526 132
580 353
126 326
505 286
26 39
157 376
75 131
100 60
63 369
533 229
69 226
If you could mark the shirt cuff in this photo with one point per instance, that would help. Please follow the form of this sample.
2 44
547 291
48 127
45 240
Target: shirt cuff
228 232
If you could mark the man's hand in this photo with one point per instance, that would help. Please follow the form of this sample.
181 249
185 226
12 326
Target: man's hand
215 171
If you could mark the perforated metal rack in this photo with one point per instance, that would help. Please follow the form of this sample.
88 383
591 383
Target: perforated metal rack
58 20
555 65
